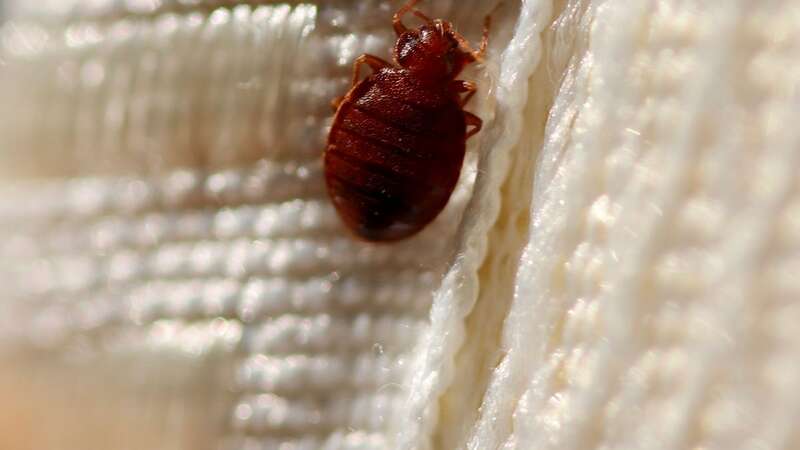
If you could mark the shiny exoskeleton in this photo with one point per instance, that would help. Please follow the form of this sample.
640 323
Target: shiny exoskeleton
397 142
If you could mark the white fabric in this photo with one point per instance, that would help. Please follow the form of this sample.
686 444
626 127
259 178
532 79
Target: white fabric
621 274
171 256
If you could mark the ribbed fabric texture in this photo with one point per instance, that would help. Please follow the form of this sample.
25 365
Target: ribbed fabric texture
171 258
616 270
653 300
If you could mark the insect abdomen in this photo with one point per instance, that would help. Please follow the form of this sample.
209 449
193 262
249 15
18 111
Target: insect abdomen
391 167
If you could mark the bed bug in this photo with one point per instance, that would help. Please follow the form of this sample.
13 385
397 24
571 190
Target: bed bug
397 143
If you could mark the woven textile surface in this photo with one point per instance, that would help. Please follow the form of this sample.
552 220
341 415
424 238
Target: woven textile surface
616 270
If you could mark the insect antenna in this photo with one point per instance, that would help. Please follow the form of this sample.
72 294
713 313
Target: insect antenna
410 7
477 55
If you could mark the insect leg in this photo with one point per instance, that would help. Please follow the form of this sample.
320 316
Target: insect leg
372 61
397 21
478 54
460 86
487 23
473 120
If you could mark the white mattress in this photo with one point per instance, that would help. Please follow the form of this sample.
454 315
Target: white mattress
617 269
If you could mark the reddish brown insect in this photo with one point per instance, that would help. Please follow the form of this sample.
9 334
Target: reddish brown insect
397 142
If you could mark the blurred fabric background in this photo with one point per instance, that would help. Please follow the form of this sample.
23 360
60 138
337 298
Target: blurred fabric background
617 269
174 274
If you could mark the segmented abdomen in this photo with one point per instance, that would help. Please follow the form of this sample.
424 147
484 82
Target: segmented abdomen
392 160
